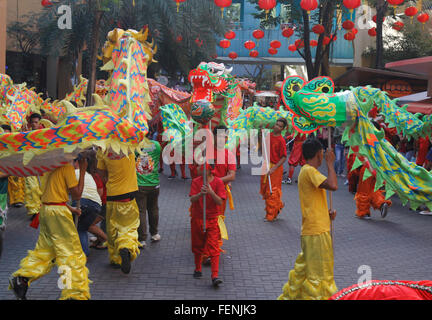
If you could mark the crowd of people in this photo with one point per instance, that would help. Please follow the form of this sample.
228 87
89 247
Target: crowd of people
115 199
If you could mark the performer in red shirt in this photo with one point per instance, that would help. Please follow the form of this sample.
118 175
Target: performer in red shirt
296 156
207 241
277 155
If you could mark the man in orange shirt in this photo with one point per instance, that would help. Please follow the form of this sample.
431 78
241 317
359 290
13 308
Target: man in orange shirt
276 155
122 214
58 240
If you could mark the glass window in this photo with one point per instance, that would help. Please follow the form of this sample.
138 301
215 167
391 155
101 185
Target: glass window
233 14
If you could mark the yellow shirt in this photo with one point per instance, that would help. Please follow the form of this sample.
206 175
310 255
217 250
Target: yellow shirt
313 202
121 174
55 185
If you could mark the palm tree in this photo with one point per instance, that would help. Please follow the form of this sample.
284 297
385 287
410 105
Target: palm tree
197 23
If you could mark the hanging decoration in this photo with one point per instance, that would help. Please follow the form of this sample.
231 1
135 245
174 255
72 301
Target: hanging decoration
351 5
233 55
374 19
348 25
372 32
272 51
309 5
349 36
46 3
299 43
179 39
398 25
199 42
230 35
258 34
253 53
267 5
326 41
313 43
225 44
395 3
423 18
292 48
411 12
177 3
249 45
275 44
318 29
223 4
287 32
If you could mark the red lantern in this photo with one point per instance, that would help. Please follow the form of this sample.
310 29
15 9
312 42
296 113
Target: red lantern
374 18
318 29
233 55
287 32
398 25
309 5
249 45
334 38
423 18
46 3
348 25
258 34
349 36
352 4
253 53
372 32
275 44
230 35
299 43
179 39
326 41
224 43
223 4
215 56
411 11
272 51
313 43
178 3
267 5
292 48
395 3
355 31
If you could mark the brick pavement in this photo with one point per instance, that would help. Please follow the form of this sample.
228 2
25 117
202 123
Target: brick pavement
258 255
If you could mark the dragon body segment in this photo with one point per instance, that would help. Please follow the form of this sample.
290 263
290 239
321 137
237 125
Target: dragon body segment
118 125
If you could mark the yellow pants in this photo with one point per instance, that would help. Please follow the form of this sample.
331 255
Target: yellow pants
122 222
58 243
16 189
312 276
33 195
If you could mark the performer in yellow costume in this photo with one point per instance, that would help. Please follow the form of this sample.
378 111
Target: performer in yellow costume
33 195
122 214
58 240
312 276
16 191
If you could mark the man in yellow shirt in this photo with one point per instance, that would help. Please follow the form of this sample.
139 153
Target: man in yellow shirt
312 276
58 240
122 214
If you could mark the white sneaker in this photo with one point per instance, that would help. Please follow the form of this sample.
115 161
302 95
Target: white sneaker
156 237
425 213
288 181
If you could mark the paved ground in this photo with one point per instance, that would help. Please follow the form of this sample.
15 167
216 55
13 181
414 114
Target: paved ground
258 255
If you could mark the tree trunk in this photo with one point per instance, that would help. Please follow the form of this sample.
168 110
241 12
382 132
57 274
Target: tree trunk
94 47
381 8
307 48
322 54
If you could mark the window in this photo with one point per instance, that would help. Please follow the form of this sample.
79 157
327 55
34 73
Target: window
234 14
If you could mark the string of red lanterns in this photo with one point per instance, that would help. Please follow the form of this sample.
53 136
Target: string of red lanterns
309 5
223 4
230 35
267 5
249 45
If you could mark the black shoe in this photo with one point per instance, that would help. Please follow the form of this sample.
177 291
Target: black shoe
171 177
197 274
115 265
126 261
18 205
19 285
216 282
384 210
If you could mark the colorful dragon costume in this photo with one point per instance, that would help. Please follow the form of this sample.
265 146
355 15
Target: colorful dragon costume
312 105
117 124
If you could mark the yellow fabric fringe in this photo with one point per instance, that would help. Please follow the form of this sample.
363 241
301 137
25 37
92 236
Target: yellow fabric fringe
33 195
222 227
312 276
230 197
122 222
16 189
59 242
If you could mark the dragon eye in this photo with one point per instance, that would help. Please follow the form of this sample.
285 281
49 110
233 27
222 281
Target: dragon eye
325 89
296 88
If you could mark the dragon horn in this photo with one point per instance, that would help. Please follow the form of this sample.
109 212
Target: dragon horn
145 34
70 108
98 100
